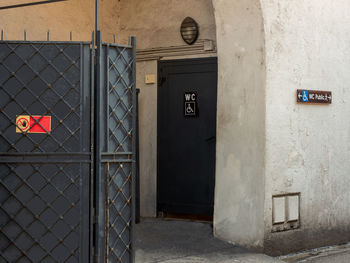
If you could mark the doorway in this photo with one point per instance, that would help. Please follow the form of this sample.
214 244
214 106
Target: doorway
187 102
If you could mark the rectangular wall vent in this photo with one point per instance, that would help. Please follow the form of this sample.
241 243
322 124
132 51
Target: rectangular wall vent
285 212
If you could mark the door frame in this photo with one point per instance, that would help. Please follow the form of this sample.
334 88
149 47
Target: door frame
160 79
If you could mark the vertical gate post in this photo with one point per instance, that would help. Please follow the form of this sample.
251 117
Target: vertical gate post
99 202
92 148
137 182
134 143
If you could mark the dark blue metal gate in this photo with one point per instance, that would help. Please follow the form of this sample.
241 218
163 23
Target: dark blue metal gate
115 160
66 152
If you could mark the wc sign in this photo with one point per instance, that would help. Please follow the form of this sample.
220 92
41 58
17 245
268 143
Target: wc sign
191 106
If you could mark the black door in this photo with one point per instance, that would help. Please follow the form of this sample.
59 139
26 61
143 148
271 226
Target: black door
187 95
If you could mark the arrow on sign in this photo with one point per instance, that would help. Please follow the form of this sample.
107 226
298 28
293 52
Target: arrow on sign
314 96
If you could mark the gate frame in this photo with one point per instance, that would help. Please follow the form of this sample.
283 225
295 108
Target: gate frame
100 228
98 205
54 157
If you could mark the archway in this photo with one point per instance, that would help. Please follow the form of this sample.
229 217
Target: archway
240 47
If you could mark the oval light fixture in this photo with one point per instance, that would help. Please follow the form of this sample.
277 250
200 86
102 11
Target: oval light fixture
189 30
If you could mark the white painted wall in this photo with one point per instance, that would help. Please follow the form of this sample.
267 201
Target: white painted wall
308 146
239 190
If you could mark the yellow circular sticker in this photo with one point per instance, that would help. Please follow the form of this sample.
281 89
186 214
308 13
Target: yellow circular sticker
23 123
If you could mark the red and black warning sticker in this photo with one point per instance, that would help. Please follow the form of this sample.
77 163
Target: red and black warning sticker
33 124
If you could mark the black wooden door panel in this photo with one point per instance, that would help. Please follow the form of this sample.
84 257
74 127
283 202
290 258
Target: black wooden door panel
186 144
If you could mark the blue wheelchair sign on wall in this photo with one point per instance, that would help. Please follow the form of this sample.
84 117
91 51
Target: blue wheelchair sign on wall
314 96
305 95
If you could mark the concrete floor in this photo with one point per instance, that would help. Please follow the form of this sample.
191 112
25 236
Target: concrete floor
174 241
171 241
334 254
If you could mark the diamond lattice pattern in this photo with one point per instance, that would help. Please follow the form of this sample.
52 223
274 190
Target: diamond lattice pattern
119 216
40 79
39 213
121 91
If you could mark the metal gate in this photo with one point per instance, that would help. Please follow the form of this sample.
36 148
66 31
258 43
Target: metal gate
116 140
66 152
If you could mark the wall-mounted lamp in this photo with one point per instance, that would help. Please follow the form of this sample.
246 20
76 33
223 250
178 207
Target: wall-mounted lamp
189 30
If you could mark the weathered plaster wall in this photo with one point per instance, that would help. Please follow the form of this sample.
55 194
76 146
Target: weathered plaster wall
239 192
147 139
308 146
156 23
60 18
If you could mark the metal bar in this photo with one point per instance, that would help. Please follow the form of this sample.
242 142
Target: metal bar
30 4
119 45
106 89
133 44
137 152
114 159
85 143
48 35
51 42
25 36
99 205
115 154
71 36
107 211
39 154
92 149
2 35
97 4
44 161
117 161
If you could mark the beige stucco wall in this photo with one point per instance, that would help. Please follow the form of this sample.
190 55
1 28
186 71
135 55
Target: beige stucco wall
239 190
147 139
61 18
156 23
308 146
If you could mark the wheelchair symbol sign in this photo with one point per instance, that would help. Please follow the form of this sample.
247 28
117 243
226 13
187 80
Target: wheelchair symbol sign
305 95
190 105
314 96
190 108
